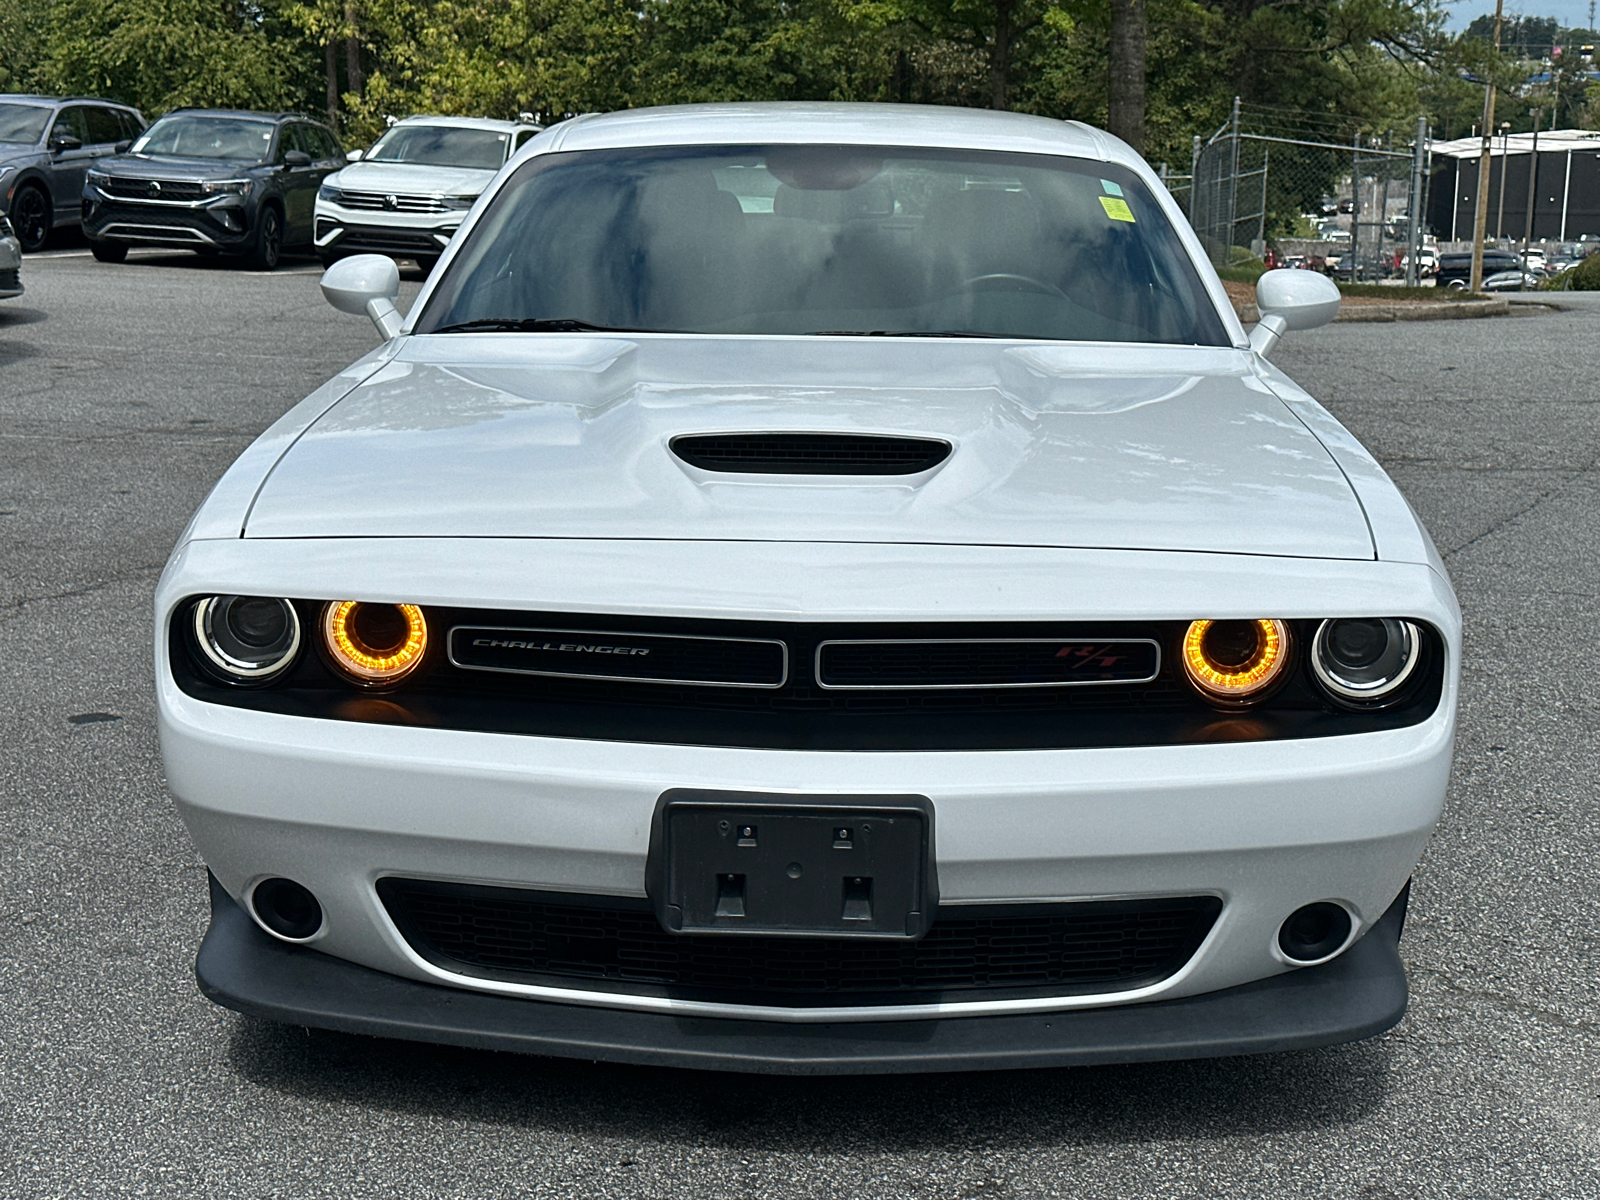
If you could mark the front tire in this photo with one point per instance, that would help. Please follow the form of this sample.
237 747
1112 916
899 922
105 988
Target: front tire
265 253
329 257
109 252
30 217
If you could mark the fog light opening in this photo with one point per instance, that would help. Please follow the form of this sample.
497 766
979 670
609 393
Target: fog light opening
286 909
1314 933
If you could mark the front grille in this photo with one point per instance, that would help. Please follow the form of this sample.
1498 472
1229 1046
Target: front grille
883 665
617 945
624 657
380 202
153 189
810 453
394 241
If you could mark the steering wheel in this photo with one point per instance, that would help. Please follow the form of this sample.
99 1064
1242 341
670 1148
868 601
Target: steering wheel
1032 284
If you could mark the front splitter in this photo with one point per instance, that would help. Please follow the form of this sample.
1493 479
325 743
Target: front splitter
1357 995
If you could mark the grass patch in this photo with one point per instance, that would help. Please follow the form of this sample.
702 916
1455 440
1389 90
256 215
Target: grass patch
1244 272
1382 292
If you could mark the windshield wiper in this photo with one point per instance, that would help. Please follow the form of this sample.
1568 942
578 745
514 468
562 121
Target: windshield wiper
533 325
945 333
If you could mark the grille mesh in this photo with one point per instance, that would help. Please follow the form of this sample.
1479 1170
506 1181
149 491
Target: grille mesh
810 453
140 189
1058 949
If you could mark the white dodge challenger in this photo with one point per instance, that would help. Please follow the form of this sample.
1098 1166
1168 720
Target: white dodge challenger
813 588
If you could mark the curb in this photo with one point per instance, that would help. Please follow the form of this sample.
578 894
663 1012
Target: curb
1439 310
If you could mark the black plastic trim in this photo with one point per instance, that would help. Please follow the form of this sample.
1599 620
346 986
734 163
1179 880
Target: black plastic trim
1357 995
801 715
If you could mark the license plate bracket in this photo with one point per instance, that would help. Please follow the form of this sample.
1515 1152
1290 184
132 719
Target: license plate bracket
765 864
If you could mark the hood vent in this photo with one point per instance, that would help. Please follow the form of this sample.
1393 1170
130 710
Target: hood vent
810 453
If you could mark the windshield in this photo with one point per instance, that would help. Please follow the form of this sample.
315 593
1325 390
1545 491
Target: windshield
208 137
22 123
828 240
441 146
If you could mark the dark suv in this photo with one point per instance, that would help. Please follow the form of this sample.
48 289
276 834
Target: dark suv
1455 270
215 181
46 145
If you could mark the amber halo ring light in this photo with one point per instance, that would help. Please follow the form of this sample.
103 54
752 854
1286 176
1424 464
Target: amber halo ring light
374 645
1236 662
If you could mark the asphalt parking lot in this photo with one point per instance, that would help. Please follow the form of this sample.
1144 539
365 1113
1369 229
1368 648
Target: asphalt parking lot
124 393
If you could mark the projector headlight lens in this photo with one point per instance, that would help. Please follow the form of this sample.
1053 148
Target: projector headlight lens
247 639
1365 660
1235 662
374 644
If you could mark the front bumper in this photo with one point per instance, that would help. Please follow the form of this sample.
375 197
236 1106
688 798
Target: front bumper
224 223
366 231
1358 995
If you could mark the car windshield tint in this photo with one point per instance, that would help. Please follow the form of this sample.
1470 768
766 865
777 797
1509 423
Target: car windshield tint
22 123
208 137
829 240
441 146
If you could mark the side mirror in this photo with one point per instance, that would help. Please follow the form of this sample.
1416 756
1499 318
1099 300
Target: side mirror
123 146
64 141
366 283
1289 299
297 158
354 155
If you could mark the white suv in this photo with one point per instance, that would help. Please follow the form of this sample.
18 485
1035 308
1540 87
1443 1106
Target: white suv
406 196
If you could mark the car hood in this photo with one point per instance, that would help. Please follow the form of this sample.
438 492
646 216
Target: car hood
545 436
412 178
168 166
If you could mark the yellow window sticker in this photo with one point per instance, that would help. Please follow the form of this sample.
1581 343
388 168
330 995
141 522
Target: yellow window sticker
1117 209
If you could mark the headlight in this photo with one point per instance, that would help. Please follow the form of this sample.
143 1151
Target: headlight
1235 662
329 193
98 178
225 187
458 203
1365 660
374 644
247 639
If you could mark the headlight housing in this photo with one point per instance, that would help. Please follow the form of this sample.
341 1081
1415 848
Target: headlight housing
225 187
458 203
1365 661
247 639
1236 662
97 178
374 645
329 193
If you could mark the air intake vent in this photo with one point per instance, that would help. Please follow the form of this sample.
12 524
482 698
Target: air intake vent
810 453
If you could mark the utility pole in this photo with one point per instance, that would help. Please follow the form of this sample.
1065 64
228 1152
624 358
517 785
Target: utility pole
1481 213
1533 177
1414 234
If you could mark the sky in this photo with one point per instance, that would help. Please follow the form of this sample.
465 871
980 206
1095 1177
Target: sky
1573 14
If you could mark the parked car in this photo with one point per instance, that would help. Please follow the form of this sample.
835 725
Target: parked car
1533 257
212 180
812 588
408 193
1455 270
46 145
10 262
1517 280
1427 262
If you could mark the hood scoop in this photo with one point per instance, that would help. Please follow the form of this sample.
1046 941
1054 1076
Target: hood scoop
810 453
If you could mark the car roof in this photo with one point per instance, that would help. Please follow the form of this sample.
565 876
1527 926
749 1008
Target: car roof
243 114
492 123
922 125
48 101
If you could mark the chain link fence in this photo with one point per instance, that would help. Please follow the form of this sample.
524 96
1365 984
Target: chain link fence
1276 185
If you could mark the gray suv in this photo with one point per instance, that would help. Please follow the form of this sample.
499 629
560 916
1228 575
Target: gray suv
46 146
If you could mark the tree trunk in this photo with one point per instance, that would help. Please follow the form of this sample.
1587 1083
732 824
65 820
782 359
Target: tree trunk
331 64
352 49
1000 53
1125 83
